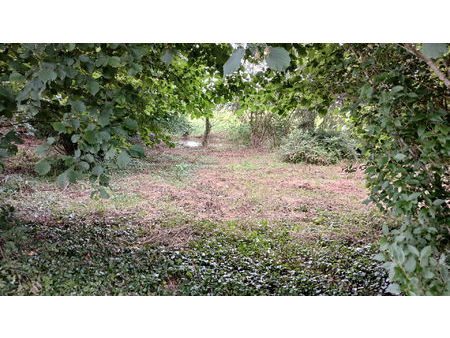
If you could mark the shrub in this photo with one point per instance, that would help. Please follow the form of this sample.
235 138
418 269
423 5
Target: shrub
240 134
317 147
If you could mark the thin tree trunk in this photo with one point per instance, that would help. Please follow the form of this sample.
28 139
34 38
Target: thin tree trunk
205 141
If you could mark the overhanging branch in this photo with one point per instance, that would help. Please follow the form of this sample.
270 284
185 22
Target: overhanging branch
409 47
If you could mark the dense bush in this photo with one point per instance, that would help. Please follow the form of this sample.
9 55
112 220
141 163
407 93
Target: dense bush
317 147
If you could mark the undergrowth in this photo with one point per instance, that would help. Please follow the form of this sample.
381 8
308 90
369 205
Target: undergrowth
317 147
103 259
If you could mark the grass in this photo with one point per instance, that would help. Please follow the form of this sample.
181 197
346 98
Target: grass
216 221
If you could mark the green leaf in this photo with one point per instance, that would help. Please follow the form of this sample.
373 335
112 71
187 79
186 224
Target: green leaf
167 57
438 202
73 175
41 149
84 165
90 136
413 250
89 158
399 157
93 87
103 192
393 288
75 138
234 61
397 89
278 59
97 170
131 124
47 74
123 159
425 252
16 77
434 50
58 126
42 167
410 264
103 119
110 154
114 61
62 180
137 151
102 61
78 106
385 229
420 130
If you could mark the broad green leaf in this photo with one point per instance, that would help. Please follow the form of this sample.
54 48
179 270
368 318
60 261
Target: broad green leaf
114 61
413 250
234 62
137 151
78 106
123 159
420 130
42 167
101 61
278 59
399 157
41 149
62 180
103 119
434 50
58 126
425 252
73 175
397 89
93 87
16 77
131 124
410 264
90 136
393 288
75 138
110 154
438 202
89 158
84 165
47 74
97 170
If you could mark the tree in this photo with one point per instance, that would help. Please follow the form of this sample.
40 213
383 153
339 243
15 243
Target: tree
399 108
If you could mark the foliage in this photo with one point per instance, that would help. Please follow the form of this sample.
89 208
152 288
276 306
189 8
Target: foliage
176 124
317 147
102 259
87 99
399 108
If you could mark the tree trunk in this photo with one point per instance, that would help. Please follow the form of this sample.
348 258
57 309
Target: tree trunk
206 134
